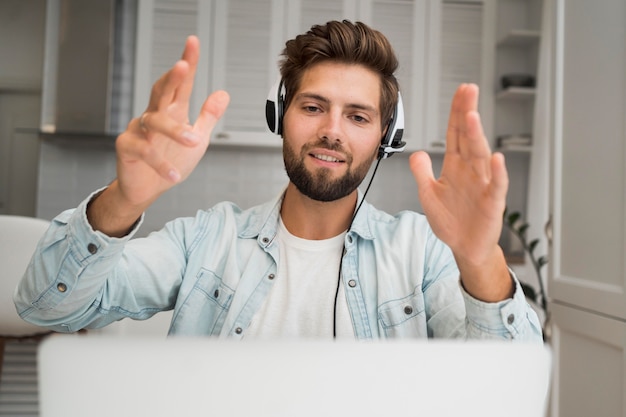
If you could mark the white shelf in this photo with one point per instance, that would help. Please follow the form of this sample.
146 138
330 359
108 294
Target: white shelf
520 37
516 93
524 149
247 139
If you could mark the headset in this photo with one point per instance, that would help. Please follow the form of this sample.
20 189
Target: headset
390 143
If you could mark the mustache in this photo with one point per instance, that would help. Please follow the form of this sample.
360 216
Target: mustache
327 144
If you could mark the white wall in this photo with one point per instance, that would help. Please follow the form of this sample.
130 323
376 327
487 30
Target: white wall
21 61
21 36
70 170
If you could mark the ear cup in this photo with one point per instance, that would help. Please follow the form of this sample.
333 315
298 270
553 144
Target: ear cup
274 107
392 141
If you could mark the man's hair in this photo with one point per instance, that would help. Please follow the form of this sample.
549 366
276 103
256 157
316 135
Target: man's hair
342 42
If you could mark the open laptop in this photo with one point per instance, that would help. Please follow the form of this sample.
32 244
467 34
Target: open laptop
102 376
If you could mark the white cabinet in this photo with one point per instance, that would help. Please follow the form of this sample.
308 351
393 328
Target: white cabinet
242 41
590 358
587 274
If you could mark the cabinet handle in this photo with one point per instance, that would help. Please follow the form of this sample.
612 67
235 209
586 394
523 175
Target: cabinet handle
222 135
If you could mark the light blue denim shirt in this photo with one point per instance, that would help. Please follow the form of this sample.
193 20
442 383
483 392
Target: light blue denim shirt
216 269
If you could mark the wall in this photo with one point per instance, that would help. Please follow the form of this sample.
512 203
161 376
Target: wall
21 61
21 31
70 170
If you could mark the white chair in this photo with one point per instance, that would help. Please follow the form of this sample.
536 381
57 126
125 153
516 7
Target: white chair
18 238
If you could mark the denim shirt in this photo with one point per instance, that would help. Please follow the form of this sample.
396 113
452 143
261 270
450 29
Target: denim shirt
216 269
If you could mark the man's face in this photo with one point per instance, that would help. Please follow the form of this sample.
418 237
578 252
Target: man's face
332 130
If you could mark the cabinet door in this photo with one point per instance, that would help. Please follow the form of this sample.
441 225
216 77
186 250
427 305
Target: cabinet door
590 364
248 37
302 14
162 27
462 49
409 26
587 266
240 42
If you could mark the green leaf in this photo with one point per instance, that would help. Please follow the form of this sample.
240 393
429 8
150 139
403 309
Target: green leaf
513 217
522 229
532 245
542 261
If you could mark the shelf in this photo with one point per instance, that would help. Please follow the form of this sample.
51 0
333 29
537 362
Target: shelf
247 139
520 37
516 93
517 149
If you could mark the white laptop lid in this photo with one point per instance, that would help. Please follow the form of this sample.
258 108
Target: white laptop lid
103 376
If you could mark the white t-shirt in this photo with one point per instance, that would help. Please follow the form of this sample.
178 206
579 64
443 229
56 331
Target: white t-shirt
301 302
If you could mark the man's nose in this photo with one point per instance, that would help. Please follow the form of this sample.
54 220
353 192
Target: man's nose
331 127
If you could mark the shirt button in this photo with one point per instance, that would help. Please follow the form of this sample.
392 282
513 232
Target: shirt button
238 330
510 319
408 310
265 240
92 248
216 293
271 276
349 239
352 283
61 287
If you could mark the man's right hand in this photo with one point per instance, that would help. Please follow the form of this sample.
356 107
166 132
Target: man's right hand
158 149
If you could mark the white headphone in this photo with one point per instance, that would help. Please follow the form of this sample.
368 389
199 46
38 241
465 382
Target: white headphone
389 144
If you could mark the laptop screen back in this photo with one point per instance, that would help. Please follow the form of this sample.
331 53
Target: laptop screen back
99 376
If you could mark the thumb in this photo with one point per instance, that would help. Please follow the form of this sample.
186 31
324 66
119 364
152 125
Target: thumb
422 169
212 110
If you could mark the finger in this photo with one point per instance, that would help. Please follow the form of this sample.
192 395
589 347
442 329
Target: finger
166 89
154 123
190 55
422 169
467 103
142 151
476 149
477 143
452 142
163 90
212 110
499 177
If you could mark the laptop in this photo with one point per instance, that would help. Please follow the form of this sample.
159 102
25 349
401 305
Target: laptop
112 376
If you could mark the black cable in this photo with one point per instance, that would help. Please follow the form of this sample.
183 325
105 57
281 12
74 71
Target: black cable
344 248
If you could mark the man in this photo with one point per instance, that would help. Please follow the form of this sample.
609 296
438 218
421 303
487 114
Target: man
313 262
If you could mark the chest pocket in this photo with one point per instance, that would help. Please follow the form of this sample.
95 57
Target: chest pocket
404 317
204 309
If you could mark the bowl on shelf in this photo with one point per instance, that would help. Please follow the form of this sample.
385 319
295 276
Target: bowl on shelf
517 80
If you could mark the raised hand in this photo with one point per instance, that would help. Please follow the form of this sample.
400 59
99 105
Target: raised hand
161 147
158 149
465 205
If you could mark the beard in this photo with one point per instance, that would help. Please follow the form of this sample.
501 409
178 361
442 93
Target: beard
319 185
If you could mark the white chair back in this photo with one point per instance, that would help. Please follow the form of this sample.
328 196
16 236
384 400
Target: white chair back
18 238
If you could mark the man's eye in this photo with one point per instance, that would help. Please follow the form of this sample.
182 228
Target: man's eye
359 119
311 109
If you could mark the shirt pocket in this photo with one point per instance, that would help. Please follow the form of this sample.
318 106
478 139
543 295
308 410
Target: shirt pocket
404 317
204 309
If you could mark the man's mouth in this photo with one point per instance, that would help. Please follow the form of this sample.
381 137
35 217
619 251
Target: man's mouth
326 158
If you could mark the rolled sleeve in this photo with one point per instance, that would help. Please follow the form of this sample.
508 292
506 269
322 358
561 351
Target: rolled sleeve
509 319
54 284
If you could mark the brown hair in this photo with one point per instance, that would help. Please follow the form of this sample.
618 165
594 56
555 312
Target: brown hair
344 42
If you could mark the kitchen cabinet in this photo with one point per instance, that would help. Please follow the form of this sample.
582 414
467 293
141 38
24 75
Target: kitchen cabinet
587 276
242 41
